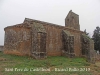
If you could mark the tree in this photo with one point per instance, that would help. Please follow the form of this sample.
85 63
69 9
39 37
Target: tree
96 38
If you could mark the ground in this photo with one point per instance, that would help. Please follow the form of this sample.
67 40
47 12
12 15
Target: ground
59 65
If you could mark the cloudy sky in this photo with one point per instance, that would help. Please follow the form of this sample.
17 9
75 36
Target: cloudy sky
54 11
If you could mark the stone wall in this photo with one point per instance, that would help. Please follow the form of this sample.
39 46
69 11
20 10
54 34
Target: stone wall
68 44
54 40
54 44
17 40
88 48
38 41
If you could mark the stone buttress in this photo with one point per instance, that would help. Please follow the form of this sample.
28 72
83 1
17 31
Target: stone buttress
38 48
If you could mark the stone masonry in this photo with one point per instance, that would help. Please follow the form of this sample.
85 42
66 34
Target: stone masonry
41 39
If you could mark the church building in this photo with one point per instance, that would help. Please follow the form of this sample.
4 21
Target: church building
41 39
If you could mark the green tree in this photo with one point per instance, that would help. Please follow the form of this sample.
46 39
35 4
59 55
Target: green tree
96 38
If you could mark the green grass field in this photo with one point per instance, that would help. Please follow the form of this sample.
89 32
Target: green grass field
59 65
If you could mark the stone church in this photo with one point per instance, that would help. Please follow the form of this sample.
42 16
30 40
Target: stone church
41 39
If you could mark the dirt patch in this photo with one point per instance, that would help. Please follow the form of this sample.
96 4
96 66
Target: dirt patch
95 68
98 64
3 59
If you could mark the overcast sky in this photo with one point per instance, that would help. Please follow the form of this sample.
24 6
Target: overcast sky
54 11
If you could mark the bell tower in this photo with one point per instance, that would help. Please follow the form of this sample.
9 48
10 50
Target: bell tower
72 20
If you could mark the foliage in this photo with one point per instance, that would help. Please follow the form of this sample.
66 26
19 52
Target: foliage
96 38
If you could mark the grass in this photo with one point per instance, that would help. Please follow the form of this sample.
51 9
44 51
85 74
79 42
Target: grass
19 65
